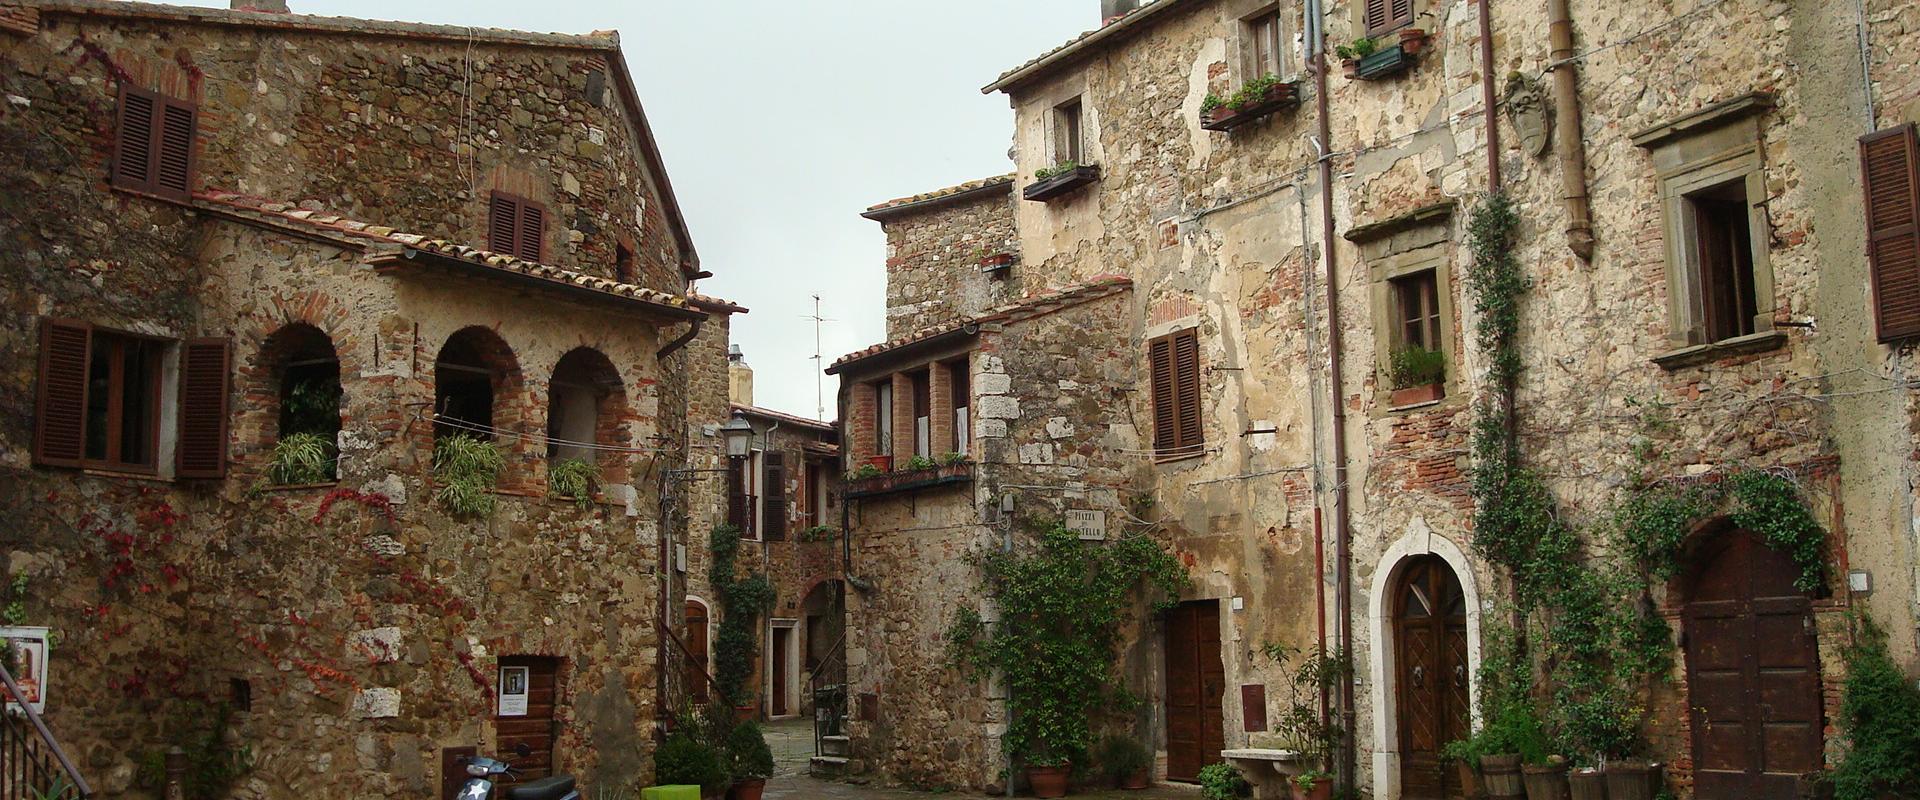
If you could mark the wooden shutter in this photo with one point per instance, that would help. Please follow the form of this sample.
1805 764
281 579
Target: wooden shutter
1385 15
1890 166
736 495
773 499
133 139
1160 371
533 230
173 153
503 224
204 370
153 144
1186 387
59 435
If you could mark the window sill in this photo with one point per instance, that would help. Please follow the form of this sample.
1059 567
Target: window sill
1168 460
1698 354
125 475
183 202
299 487
1046 189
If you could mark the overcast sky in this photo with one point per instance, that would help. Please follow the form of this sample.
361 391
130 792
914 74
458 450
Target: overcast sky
781 121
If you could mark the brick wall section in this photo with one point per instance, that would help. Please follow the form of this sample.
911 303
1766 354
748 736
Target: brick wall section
902 420
940 395
933 262
859 427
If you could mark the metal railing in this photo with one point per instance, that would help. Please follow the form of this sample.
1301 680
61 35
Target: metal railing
829 699
32 765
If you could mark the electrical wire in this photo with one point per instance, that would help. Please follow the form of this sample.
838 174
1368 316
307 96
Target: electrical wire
454 422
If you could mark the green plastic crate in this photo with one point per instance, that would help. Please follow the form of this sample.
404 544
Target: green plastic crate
670 793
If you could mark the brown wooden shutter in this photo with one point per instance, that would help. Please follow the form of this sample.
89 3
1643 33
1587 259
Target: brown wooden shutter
503 224
1186 371
773 499
173 151
133 139
1890 163
1160 373
1381 16
1399 13
59 436
736 495
204 370
533 231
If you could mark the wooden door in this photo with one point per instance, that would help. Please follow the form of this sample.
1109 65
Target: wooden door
536 728
1430 675
1196 682
696 641
1753 673
782 661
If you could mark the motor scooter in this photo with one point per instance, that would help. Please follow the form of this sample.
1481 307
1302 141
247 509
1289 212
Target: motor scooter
485 772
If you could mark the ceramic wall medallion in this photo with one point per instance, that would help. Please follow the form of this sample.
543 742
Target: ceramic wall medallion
1529 109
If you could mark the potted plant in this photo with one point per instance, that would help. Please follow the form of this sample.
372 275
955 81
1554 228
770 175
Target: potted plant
919 463
573 478
1048 776
1059 180
1125 762
1367 58
1412 39
1586 783
867 470
1351 53
1301 726
880 463
1259 97
1418 375
1547 781
685 760
1634 780
1223 782
752 761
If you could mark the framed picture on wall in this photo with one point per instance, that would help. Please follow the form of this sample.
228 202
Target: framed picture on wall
26 651
513 691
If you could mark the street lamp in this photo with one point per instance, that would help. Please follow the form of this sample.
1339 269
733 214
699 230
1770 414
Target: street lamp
739 435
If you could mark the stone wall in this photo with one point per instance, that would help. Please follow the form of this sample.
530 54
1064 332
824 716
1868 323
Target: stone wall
934 269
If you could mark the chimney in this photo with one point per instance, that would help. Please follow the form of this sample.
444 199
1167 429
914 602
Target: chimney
739 377
1111 10
268 6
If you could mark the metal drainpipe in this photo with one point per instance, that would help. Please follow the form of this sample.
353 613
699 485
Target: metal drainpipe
1567 143
1343 550
1486 93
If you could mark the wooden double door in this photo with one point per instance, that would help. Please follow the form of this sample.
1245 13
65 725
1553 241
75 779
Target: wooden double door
1431 679
1753 673
1195 690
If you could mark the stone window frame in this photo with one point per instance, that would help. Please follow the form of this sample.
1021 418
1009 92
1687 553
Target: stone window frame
1064 145
1241 16
1720 145
1382 272
1196 324
1042 104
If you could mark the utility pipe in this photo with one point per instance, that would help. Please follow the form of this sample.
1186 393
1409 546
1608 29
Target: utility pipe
1568 143
1486 93
1343 551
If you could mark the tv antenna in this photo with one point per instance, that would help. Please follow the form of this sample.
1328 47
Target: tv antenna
819 364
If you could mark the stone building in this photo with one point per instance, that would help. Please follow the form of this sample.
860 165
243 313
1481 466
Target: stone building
1702 303
270 272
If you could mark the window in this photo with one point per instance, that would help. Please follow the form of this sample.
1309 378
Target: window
1263 39
1173 363
1382 16
883 418
580 406
1722 264
516 226
622 263
818 482
773 498
962 417
473 368
101 401
309 394
1416 301
153 144
922 413
1890 165
1067 134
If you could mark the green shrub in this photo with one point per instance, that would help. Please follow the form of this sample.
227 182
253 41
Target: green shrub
747 748
467 469
683 760
1122 757
575 478
919 463
1254 92
1510 720
1414 365
1062 168
1223 782
301 458
1211 102
950 459
1880 717
1358 48
864 471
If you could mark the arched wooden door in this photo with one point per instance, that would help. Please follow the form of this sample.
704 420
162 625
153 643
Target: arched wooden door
696 641
1753 672
1430 674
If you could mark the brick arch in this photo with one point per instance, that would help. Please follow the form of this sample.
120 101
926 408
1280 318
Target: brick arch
587 369
293 349
478 385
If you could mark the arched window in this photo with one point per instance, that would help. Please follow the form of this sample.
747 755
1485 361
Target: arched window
306 380
470 380
581 405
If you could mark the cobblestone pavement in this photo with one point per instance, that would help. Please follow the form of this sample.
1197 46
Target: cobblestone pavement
792 744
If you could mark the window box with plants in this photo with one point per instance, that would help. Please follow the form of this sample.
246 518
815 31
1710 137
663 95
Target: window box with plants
1418 376
993 261
1260 97
920 472
1060 180
1372 58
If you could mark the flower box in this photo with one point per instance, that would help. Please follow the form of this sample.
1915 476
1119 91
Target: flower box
1383 62
1061 184
1275 98
996 262
909 480
1417 395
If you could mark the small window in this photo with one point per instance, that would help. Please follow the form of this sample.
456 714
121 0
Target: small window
622 263
1263 43
1416 301
580 406
123 401
1722 260
100 398
1383 16
309 394
773 496
962 413
1068 138
818 482
153 144
883 418
1174 369
516 226
922 413
471 367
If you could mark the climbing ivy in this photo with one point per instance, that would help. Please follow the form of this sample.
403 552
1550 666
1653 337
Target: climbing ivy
742 601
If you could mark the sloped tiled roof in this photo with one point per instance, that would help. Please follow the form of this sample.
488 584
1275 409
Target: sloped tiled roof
1100 286
311 218
711 303
781 416
1110 28
901 205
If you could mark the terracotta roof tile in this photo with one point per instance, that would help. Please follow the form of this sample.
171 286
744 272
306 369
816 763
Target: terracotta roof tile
285 214
1117 23
950 191
1100 286
711 303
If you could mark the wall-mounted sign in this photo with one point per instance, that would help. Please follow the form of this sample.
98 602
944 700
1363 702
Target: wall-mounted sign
1088 524
513 691
28 663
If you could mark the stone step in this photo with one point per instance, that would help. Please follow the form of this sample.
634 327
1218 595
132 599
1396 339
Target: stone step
827 766
836 746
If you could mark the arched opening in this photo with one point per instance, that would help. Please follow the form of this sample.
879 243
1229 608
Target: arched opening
823 658
1433 682
696 637
471 378
584 400
305 376
1753 668
1390 668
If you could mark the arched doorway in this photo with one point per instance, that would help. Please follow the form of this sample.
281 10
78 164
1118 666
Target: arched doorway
1753 671
1432 694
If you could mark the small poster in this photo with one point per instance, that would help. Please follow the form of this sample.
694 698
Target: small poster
513 691
1090 525
28 663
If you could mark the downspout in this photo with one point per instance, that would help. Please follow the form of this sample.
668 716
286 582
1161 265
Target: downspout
665 567
1567 140
693 330
1486 93
1343 551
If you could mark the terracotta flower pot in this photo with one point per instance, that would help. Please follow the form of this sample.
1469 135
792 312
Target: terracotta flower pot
1413 395
749 789
1322 790
1049 781
1547 782
1587 784
1502 774
1352 67
745 713
1412 39
1138 780
1633 780
882 463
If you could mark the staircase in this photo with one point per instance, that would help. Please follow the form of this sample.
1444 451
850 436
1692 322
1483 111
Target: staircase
832 760
32 765
831 747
